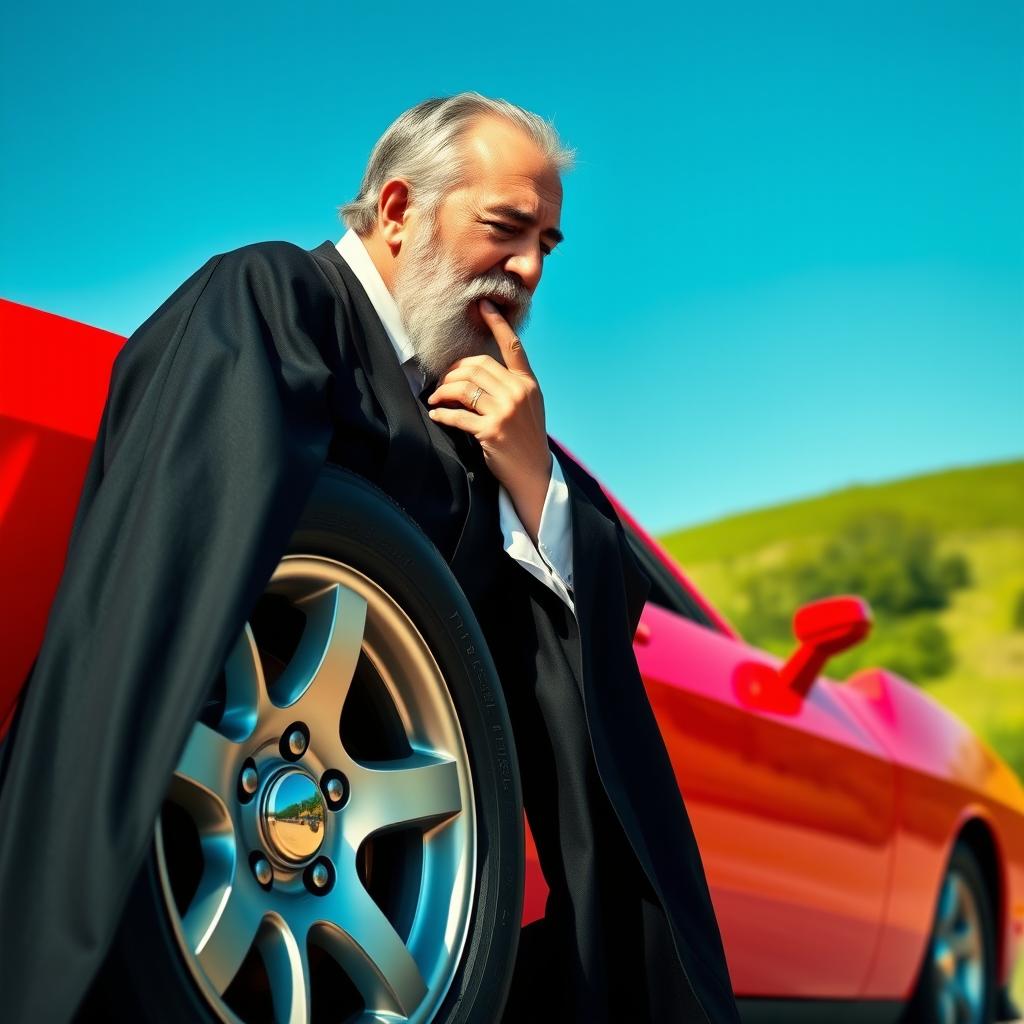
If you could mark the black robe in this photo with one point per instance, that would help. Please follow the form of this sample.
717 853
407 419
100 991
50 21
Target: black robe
222 409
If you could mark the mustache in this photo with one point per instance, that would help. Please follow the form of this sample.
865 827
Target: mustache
510 291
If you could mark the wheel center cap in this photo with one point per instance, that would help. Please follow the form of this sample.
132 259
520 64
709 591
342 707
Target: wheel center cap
293 816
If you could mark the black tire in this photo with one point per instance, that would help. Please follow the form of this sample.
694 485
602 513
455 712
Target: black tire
924 1006
145 976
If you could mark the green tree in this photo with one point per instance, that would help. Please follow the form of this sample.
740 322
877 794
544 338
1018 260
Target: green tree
885 558
892 563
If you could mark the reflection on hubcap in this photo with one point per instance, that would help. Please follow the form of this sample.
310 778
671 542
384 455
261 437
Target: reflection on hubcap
293 817
388 900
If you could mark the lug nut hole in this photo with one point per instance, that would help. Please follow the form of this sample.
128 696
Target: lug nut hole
319 876
248 781
334 787
261 869
294 741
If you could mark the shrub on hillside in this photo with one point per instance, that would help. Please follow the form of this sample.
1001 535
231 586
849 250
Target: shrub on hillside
916 648
891 562
888 560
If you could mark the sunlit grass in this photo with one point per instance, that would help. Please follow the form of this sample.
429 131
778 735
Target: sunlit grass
986 685
955 499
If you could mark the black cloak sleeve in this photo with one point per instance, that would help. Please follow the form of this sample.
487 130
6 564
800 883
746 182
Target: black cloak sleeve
216 425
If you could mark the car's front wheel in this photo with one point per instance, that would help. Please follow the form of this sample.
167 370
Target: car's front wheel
342 837
957 980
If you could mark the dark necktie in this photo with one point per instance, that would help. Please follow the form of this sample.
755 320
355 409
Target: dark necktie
466 446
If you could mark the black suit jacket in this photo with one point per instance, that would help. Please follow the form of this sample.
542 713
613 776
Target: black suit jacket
222 409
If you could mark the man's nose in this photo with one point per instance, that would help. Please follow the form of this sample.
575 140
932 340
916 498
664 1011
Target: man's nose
528 266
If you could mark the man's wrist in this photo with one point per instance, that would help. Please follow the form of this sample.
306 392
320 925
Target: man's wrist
529 499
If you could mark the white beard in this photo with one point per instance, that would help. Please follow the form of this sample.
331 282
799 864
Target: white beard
434 300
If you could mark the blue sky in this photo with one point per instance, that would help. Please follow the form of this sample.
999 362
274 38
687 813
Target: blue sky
795 233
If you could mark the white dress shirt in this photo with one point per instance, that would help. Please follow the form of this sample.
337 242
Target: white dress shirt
552 565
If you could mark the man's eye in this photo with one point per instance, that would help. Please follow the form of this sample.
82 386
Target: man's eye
510 229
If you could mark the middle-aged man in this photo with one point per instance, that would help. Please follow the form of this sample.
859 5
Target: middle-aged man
399 340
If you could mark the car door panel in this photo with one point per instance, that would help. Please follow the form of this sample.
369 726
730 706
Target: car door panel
794 813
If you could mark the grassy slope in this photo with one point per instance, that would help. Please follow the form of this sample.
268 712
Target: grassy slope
974 497
978 511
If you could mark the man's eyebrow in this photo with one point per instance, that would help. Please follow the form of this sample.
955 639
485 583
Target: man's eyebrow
522 217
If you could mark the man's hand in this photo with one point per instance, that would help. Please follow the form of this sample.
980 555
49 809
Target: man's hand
508 419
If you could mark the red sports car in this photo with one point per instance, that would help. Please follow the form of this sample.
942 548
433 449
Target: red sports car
864 849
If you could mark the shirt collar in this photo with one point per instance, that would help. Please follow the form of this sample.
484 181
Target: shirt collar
353 250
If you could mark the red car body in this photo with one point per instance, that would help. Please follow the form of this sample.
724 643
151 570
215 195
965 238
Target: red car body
824 821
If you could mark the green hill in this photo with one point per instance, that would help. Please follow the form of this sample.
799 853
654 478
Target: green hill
975 497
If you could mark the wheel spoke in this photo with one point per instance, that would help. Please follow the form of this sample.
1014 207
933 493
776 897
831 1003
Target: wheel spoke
287 964
946 1006
962 1008
964 941
364 943
246 688
947 905
207 762
386 794
327 653
220 926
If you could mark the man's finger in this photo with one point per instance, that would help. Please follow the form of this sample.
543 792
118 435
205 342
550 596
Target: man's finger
461 391
492 376
474 362
463 419
512 350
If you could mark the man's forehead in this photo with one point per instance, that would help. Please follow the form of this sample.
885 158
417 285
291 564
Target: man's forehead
537 198
507 168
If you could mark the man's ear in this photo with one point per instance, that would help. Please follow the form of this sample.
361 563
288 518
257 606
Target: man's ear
392 208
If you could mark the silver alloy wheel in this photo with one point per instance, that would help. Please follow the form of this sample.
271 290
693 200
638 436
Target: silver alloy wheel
958 953
270 875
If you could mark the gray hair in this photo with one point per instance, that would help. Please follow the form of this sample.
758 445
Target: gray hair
423 146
